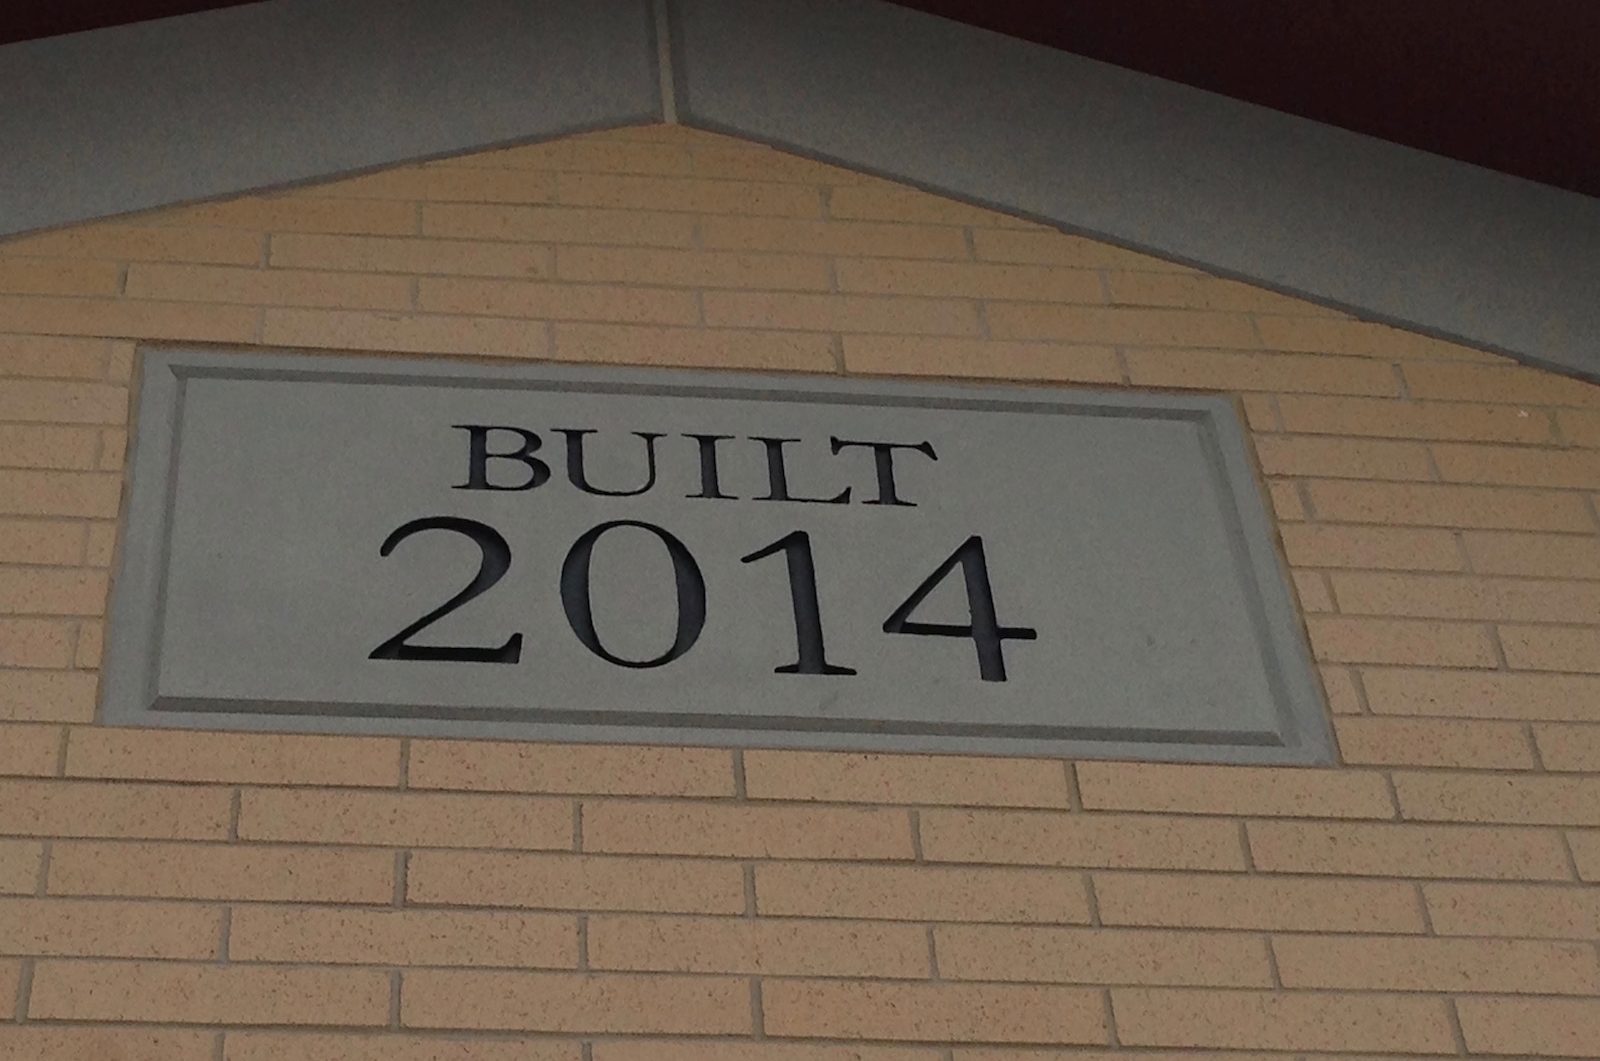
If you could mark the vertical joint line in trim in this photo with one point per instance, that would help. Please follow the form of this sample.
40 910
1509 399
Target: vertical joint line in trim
669 101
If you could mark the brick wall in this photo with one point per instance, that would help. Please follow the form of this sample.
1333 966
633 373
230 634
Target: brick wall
189 896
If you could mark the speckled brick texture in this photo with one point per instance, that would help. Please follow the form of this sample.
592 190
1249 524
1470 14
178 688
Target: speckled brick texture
206 896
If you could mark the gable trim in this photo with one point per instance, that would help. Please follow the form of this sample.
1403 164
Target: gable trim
269 95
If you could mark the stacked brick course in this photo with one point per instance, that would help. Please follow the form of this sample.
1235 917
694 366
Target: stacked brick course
194 896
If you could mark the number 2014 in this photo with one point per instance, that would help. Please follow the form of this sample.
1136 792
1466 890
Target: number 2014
984 629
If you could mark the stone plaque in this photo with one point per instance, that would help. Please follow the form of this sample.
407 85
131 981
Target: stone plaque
455 548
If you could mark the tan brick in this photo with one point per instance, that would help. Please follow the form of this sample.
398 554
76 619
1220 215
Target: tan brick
856 238
36 1042
1339 685
1291 373
50 590
1101 956
693 347
885 201
1274 1020
1498 384
143 243
1568 747
1183 789
758 947
1057 248
935 779
1477 694
109 929
1306 904
41 446
1457 965
43 643
883 276
117 317
1579 429
933 1012
403 937
101 545
570 768
1428 504
1346 639
1198 291
511 298
921 893
404 819
304 1046
91 645
28 750
404 333
1399 548
120 362
1361 338
1455 597
267 287
88 808
559 224
1526 1026
222 871
681 268
1585 853
1260 411
54 402
1407 850
745 831
1312 590
299 212
19 866
897 314
628 192
260 758
1438 421
398 254
1286 502
1518 466
1099 840
581 154
1342 458
208 994
1509 553
573 1002
48 696
52 357
1433 742
984 358
53 493
41 541
1514 798
575 882
752 1050
1147 327
1551 648
441 184
1115 1054
1540 911
113 449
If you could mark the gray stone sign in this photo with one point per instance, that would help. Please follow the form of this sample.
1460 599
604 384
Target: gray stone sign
647 555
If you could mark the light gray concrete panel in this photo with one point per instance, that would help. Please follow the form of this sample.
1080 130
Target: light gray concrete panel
1006 569
123 119
1386 231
